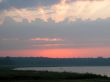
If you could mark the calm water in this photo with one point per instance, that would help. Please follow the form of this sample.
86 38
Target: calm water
103 70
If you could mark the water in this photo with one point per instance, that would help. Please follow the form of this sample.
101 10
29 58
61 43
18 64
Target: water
102 70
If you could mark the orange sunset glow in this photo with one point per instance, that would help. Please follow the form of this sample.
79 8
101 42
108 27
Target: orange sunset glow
60 53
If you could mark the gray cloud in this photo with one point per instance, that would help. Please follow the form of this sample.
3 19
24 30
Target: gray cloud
7 4
76 35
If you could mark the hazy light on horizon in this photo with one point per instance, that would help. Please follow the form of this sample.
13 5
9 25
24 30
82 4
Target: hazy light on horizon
60 53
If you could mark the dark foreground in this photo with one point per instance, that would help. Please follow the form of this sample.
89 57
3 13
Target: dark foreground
55 80
39 76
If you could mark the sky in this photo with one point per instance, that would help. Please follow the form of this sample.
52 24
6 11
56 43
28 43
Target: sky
55 28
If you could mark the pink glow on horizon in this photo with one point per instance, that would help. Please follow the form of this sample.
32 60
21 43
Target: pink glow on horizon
59 53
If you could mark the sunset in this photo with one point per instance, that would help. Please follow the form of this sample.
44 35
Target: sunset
55 28
59 53
54 40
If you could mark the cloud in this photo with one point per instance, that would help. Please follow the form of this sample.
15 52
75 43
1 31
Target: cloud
2 18
1 1
7 4
64 10
48 45
46 39
10 39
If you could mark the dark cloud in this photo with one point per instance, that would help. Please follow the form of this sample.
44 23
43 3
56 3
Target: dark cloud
6 4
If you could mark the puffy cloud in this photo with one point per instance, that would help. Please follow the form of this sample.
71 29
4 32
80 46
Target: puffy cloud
64 10
46 39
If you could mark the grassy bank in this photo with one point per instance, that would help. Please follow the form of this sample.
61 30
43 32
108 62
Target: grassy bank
39 76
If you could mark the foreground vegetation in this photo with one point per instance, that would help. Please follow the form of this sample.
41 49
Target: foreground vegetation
9 75
92 80
40 76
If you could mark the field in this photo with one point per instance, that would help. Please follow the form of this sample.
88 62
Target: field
39 76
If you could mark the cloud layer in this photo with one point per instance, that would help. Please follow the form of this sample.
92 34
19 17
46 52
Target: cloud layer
46 39
64 10
1 1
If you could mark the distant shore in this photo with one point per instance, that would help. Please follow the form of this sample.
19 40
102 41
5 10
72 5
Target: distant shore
52 62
